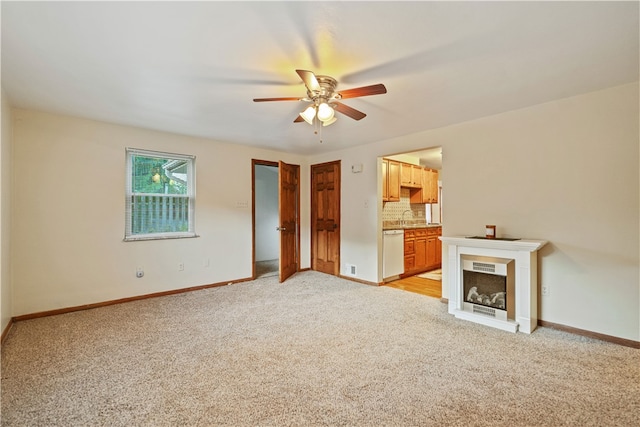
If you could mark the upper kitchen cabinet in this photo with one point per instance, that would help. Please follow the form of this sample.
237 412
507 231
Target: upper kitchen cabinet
428 191
410 175
429 186
390 180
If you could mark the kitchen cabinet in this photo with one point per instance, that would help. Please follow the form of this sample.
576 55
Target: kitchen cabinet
390 180
433 186
410 175
429 186
422 250
409 251
432 237
422 182
428 191
385 180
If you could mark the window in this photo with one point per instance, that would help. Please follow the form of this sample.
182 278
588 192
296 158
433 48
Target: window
160 195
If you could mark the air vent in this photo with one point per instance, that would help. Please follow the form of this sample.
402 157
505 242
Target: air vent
483 266
351 269
484 310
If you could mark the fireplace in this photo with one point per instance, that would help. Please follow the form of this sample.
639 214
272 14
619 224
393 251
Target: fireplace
488 286
494 282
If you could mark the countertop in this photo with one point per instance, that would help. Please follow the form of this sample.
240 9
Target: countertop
408 225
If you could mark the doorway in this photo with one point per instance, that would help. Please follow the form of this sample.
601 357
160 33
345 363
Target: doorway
423 224
265 216
275 217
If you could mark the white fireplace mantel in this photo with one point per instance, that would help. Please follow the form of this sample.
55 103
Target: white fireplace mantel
524 252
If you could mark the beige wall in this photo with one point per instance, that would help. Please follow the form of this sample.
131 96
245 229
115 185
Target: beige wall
5 211
564 171
69 214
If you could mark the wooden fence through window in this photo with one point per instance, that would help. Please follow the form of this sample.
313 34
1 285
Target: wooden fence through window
161 213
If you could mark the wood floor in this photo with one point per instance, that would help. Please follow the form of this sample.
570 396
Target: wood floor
418 285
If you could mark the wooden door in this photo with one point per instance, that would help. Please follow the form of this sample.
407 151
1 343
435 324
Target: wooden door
325 218
288 178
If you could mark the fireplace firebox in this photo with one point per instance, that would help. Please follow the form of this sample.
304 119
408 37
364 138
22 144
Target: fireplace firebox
489 286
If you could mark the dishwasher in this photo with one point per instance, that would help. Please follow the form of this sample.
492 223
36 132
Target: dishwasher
392 253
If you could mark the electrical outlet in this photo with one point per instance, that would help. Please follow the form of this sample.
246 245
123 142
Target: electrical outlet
181 266
139 272
545 290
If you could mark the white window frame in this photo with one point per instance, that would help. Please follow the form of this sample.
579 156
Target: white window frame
129 194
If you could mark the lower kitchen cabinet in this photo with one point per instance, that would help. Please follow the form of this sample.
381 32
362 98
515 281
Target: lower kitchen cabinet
434 259
409 250
422 250
431 251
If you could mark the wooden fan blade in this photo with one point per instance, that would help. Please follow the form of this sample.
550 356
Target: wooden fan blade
276 99
298 119
378 89
348 111
309 79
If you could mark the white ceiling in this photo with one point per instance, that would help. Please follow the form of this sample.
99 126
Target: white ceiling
193 68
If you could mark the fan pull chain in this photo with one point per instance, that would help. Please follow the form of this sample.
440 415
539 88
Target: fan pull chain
317 125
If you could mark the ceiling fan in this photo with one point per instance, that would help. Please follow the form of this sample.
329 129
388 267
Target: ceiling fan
325 100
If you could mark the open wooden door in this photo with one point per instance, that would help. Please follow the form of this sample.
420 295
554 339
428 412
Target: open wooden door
325 218
288 178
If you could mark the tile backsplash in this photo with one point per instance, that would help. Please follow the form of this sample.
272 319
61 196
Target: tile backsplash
392 211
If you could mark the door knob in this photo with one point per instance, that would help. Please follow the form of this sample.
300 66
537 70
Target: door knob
281 229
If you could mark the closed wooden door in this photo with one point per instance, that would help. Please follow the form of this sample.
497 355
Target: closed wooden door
325 218
288 178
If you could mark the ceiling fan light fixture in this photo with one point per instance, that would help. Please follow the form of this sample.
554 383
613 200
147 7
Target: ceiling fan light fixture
325 112
309 114
330 121
323 100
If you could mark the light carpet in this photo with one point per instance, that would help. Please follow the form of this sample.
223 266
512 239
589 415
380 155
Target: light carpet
267 268
315 350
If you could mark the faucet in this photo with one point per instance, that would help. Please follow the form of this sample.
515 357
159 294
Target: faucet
402 221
